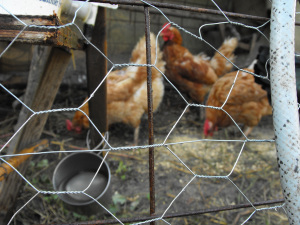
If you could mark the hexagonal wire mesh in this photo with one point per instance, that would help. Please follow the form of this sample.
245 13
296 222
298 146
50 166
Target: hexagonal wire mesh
222 166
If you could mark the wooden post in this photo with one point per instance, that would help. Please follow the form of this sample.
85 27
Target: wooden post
47 68
96 70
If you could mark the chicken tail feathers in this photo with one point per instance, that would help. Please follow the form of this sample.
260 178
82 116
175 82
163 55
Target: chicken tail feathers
138 54
222 64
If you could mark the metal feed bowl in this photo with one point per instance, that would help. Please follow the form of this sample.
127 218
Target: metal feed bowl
75 173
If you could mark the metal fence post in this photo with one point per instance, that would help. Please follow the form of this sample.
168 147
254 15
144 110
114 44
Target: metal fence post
284 101
150 114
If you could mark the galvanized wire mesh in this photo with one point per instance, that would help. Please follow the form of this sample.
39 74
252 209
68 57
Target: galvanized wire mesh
170 147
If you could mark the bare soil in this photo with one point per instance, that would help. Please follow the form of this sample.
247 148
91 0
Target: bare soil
254 178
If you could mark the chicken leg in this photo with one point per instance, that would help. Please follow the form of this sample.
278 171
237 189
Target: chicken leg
247 130
136 135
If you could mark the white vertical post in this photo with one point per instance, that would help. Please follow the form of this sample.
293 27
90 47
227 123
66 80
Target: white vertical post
284 101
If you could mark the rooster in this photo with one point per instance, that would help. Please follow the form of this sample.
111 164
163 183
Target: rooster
246 104
127 91
194 74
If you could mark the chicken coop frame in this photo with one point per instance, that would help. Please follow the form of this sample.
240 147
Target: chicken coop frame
284 104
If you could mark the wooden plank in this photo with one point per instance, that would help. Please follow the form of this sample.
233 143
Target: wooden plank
96 70
66 37
54 66
7 21
45 94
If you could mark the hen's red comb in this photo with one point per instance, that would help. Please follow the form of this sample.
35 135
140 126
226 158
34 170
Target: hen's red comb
167 25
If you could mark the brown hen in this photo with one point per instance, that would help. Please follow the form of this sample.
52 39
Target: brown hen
194 74
246 104
127 91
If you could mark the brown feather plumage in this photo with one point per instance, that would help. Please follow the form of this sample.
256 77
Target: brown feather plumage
247 102
127 90
194 74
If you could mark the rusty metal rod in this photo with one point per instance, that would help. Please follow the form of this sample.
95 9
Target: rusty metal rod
186 8
176 215
182 7
150 113
186 15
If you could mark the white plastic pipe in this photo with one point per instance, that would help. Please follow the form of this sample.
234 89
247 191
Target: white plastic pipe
87 12
284 101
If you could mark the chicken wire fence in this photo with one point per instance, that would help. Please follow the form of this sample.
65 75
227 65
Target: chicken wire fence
235 163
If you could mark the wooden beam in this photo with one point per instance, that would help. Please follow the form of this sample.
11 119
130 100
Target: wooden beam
96 70
47 69
67 37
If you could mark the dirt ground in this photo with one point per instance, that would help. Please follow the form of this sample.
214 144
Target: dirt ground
255 177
